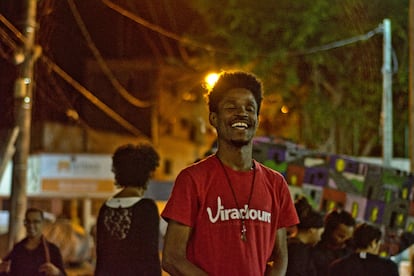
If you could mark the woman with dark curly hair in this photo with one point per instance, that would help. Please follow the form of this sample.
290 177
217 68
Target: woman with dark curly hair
128 223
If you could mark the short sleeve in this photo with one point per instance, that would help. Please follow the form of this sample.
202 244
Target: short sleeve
183 204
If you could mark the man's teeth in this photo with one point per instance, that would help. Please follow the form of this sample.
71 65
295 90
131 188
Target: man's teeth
239 125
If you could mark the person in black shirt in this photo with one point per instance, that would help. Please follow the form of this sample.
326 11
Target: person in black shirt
334 244
127 240
308 233
365 261
34 255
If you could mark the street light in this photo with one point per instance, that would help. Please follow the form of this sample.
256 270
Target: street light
210 80
284 109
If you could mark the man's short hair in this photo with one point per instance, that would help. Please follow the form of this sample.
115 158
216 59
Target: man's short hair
336 218
34 210
233 80
365 234
308 217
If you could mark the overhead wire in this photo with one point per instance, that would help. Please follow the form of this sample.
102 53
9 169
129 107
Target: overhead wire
13 46
6 38
312 50
187 41
161 30
7 41
183 40
91 97
77 86
152 44
348 41
69 109
12 28
164 42
103 65
340 43
173 23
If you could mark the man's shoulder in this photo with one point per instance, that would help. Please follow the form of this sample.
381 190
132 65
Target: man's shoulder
20 244
383 261
273 178
201 166
207 161
266 170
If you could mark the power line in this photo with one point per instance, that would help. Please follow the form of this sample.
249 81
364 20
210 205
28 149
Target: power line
12 28
101 62
78 87
162 31
92 98
159 29
348 41
340 43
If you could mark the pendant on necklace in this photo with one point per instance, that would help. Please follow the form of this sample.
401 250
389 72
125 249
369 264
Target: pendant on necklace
243 231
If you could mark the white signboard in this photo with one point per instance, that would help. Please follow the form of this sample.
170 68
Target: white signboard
66 174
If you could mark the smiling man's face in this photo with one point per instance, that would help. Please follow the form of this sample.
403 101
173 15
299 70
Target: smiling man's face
236 119
33 224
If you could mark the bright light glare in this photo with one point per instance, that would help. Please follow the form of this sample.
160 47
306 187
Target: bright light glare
284 109
211 80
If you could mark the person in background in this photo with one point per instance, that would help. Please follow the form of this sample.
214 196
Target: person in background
365 260
334 244
300 246
227 213
34 255
127 230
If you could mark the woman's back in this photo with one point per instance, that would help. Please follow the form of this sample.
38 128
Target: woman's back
127 239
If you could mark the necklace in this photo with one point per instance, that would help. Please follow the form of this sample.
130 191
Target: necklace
243 229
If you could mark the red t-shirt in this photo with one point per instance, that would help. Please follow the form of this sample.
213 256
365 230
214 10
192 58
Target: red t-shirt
202 199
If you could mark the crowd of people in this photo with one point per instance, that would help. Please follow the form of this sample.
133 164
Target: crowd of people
227 213
335 245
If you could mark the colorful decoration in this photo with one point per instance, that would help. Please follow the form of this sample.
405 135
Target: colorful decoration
372 193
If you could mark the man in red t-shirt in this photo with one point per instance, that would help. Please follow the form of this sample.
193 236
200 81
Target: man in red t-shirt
227 214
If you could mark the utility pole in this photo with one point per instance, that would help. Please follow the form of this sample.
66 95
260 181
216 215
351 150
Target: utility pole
411 84
387 145
23 91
